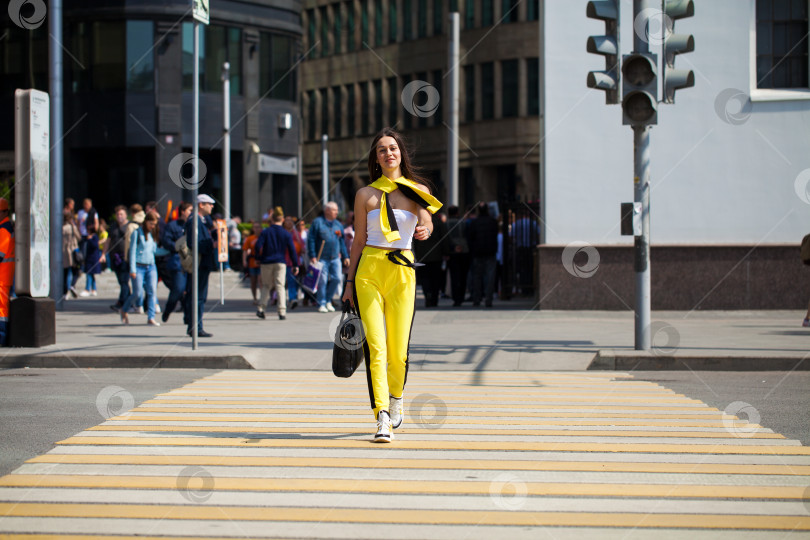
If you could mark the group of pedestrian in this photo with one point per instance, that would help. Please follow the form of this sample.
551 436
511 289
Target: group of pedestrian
84 240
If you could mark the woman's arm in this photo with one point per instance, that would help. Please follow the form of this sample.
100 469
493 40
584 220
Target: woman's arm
424 227
360 237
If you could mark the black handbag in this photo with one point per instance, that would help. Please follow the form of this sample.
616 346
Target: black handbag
350 340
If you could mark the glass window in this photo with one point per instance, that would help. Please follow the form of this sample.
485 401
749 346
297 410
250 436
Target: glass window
312 33
469 93
337 110
311 112
107 56
235 60
350 110
393 101
364 22
532 10
407 20
24 60
438 115
421 99
188 55
421 19
349 26
378 22
140 60
487 13
782 29
487 91
364 108
469 14
324 31
392 21
378 105
509 11
438 17
324 111
216 53
533 80
509 87
338 28
276 74
453 6
407 117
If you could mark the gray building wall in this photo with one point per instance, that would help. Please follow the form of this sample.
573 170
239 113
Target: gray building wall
714 181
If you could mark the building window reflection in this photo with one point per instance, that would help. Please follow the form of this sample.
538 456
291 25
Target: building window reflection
140 56
276 73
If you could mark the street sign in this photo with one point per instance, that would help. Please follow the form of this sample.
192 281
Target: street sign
201 10
32 193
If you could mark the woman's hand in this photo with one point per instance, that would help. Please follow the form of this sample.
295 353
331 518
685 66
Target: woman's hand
422 232
348 293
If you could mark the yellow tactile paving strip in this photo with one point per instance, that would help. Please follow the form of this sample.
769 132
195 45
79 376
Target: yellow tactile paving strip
287 427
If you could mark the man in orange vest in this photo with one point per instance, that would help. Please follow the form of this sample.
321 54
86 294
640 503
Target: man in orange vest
6 267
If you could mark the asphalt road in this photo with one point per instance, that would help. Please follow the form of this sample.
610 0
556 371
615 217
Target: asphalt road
39 407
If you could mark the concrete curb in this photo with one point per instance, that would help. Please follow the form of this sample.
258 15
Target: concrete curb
612 360
156 361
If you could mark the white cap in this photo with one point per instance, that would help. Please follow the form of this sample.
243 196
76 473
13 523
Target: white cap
203 198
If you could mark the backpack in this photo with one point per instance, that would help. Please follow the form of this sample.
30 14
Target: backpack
186 260
805 251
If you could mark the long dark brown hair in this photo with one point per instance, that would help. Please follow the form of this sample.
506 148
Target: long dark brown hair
409 171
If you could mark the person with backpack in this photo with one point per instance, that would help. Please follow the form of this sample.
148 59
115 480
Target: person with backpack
142 269
93 260
171 234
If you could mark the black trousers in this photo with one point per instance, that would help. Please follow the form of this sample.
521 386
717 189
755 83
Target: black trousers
459 268
430 276
202 296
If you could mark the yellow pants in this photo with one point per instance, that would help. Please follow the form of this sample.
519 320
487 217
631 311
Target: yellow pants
385 293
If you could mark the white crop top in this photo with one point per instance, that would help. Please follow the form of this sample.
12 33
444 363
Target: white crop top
406 221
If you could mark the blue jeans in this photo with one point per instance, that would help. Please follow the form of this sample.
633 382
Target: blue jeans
177 292
90 284
329 280
145 278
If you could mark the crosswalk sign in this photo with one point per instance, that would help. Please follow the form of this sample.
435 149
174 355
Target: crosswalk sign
201 10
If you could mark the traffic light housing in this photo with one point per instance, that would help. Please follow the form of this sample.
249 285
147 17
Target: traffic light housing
675 44
606 45
639 89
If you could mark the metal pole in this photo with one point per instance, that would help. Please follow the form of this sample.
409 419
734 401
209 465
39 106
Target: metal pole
300 178
226 161
453 37
641 194
324 170
226 140
57 170
195 235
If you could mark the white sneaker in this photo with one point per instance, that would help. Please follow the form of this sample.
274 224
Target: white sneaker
323 309
157 308
384 434
397 414
84 294
330 307
93 293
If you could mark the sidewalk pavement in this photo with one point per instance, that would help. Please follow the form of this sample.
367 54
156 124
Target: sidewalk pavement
511 336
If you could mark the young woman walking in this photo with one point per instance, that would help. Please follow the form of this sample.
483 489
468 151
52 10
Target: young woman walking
388 214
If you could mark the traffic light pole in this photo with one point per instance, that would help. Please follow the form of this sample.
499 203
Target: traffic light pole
641 263
641 194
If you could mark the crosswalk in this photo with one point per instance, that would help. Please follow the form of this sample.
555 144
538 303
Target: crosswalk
480 456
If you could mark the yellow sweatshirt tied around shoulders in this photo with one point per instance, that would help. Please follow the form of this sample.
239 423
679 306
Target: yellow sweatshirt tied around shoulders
388 222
